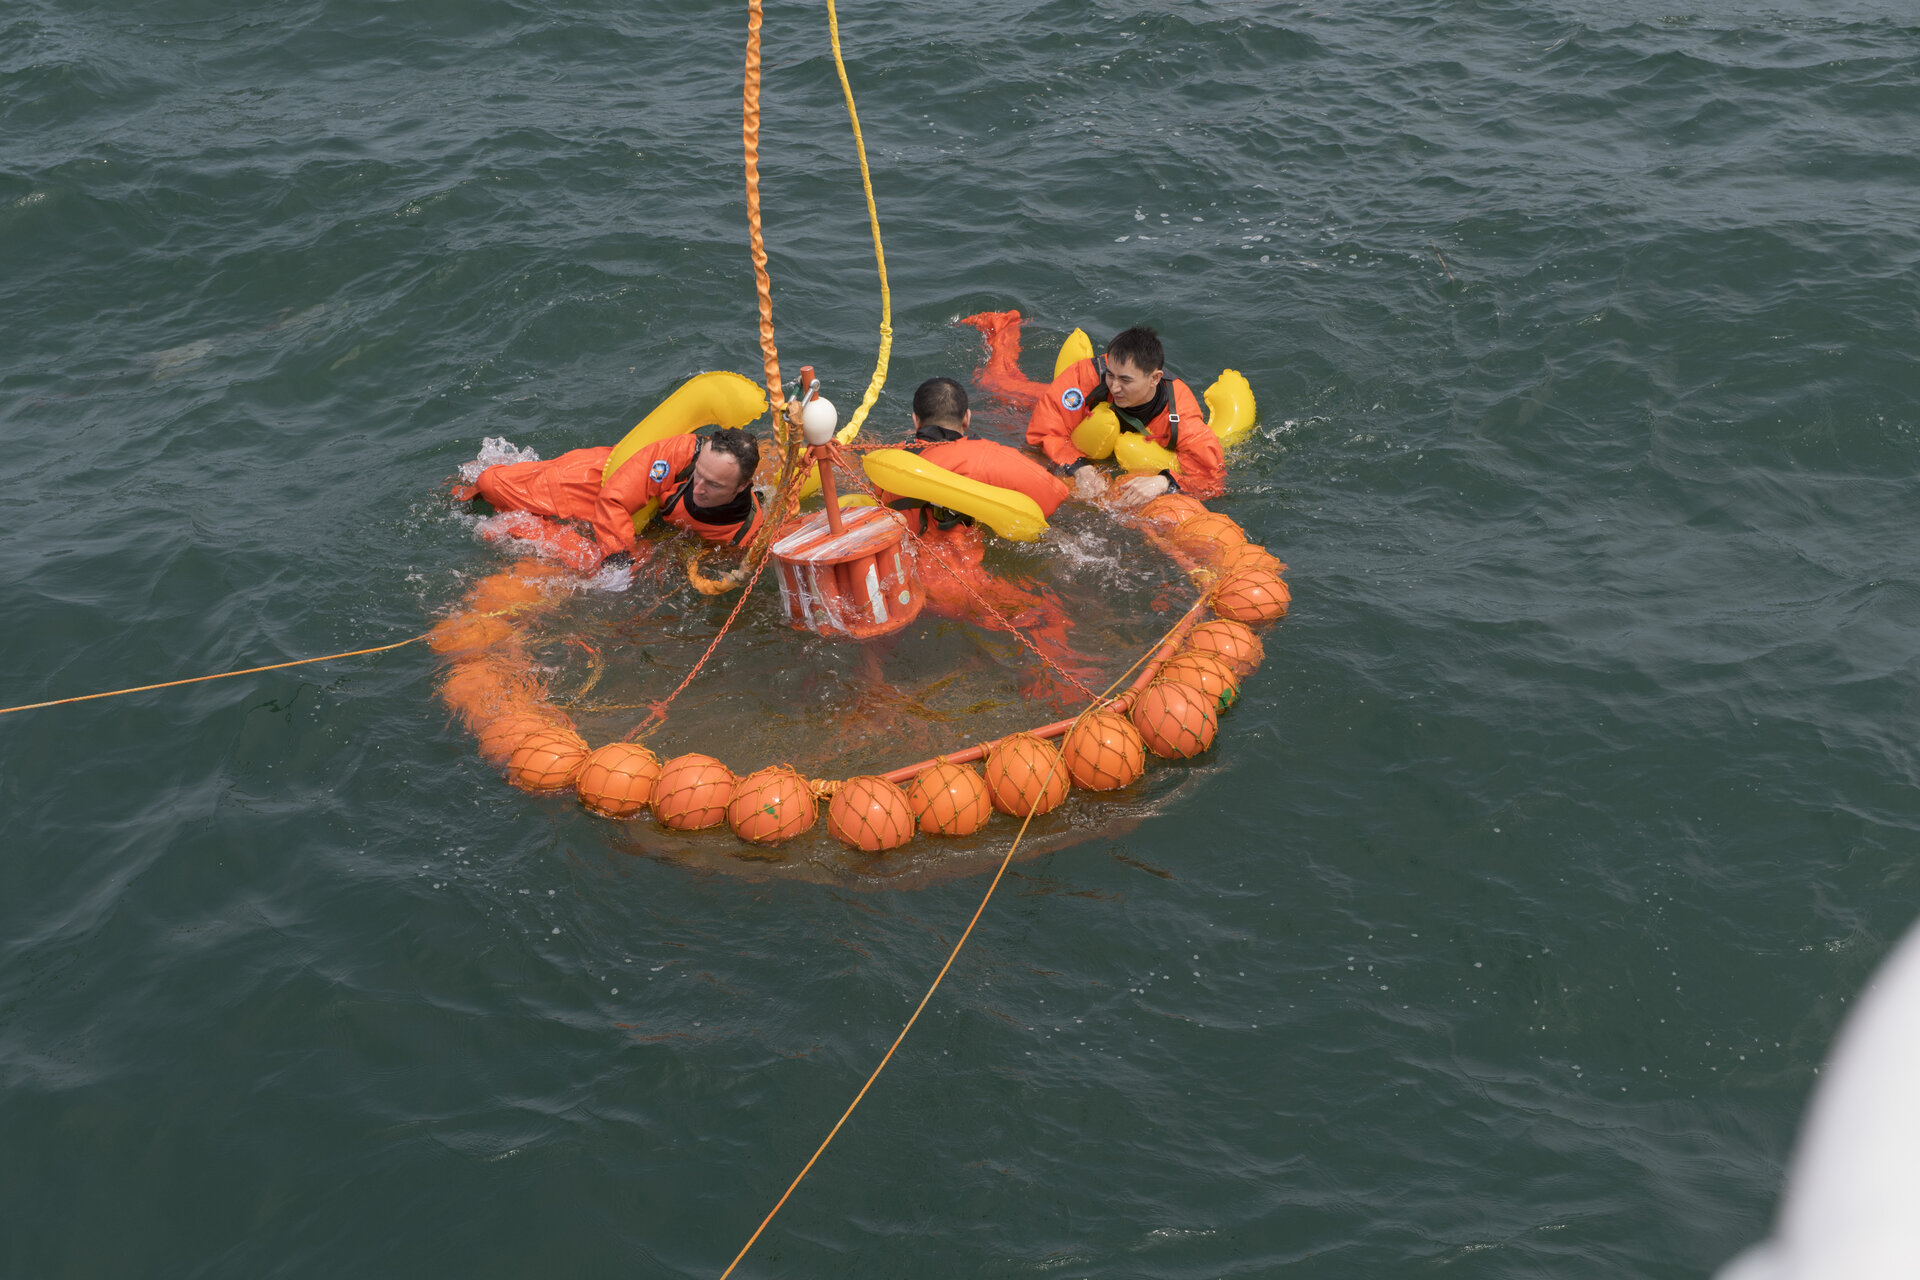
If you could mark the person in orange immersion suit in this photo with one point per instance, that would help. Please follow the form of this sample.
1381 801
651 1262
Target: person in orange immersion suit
703 484
951 570
1131 377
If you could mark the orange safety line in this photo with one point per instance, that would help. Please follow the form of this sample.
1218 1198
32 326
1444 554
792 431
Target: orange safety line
750 139
272 666
168 684
939 977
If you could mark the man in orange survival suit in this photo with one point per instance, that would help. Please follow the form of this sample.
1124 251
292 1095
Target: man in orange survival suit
703 485
956 583
1132 378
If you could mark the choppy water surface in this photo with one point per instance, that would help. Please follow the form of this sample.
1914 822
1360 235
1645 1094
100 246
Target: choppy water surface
1502 933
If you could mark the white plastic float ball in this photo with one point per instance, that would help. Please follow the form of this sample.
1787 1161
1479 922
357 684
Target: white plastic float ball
818 420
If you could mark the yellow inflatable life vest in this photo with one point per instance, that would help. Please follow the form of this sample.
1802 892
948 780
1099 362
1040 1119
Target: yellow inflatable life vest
1230 407
718 399
1076 348
1097 435
1135 453
1009 514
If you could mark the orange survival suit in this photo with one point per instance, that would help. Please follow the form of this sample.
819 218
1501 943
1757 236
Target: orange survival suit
1172 420
569 487
956 581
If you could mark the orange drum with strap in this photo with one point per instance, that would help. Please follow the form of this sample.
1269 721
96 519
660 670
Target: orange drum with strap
858 583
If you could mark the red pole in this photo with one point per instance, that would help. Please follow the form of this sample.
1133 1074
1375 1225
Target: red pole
822 455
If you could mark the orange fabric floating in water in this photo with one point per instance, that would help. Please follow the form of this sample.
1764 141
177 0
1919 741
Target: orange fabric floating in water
1001 374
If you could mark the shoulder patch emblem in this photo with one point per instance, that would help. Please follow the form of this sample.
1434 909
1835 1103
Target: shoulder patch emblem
658 471
1071 398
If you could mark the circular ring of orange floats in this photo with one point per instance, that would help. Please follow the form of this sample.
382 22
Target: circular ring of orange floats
1171 711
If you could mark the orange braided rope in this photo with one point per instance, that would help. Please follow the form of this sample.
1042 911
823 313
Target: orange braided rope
940 977
750 139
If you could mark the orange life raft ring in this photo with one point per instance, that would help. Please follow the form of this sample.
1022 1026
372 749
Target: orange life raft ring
1171 710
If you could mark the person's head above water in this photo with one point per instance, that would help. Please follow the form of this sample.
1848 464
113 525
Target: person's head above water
1135 364
940 410
724 466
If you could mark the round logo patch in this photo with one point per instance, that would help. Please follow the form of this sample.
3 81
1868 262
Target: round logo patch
1071 398
658 471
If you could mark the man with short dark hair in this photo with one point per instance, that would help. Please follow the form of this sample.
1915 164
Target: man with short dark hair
703 484
1131 377
942 420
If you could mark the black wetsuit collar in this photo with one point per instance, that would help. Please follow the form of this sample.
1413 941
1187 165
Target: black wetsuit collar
733 511
1137 418
933 433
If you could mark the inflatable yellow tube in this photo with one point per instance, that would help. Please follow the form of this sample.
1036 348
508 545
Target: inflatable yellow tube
1095 436
1009 514
705 400
1135 453
645 515
1076 348
1230 407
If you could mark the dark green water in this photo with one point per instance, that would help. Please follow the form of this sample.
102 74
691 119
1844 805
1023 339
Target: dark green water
1501 936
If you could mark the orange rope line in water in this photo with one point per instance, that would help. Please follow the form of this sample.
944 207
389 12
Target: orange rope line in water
940 977
750 140
222 675
249 671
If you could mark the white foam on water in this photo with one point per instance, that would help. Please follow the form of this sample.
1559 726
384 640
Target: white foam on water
611 578
495 451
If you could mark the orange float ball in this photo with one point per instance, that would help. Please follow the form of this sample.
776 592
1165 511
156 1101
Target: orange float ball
1173 509
1210 536
771 805
484 689
617 780
870 814
469 633
508 590
692 793
1248 555
1177 720
1025 775
1104 752
502 735
1206 673
1232 642
1251 595
950 800
547 759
